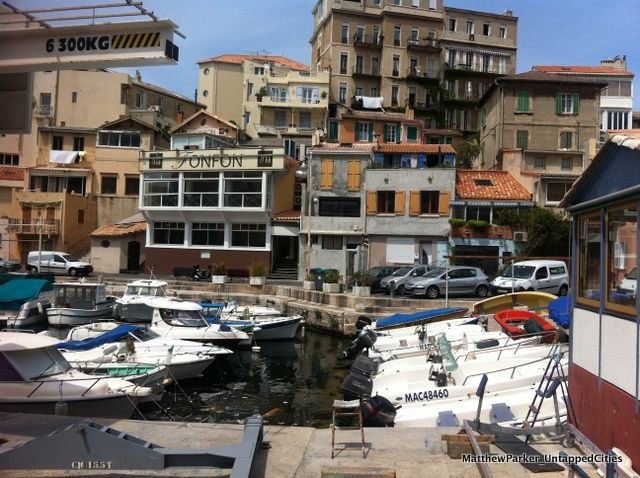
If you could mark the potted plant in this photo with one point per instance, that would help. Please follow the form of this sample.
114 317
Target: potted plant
361 284
457 222
257 273
331 281
218 273
324 95
261 92
309 282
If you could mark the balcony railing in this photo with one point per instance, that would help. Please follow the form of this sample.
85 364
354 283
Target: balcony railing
419 73
368 41
44 111
475 68
423 44
371 72
33 226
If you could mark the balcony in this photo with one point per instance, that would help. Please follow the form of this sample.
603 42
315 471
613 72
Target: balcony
418 75
34 226
426 44
43 111
285 130
465 99
479 39
421 13
425 107
370 42
305 102
464 69
492 232
359 71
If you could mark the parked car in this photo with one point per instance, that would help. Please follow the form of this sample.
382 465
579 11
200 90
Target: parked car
628 284
542 275
58 263
397 280
378 273
461 280
7 265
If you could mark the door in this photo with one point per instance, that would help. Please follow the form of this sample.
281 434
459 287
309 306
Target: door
57 264
456 282
133 256
541 279
467 281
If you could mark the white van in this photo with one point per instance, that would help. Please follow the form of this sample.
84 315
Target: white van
628 284
58 263
544 276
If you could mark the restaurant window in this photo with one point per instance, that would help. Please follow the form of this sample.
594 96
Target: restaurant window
201 189
160 189
168 233
207 234
243 189
589 256
248 235
622 260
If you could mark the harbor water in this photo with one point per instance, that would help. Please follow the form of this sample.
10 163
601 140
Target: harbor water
287 382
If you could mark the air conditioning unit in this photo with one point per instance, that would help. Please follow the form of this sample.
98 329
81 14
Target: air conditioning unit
297 201
520 236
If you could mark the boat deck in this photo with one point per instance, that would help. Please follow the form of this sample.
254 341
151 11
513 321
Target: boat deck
296 452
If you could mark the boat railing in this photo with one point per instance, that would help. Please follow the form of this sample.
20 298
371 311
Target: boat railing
513 368
61 383
512 346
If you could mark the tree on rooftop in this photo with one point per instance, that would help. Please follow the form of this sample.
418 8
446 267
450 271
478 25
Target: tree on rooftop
467 151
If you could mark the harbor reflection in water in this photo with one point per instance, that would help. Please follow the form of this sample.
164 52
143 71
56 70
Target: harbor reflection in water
289 383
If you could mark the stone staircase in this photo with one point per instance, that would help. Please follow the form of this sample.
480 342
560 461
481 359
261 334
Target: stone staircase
284 272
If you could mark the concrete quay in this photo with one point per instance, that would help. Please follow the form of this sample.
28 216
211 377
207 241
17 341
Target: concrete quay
335 313
288 452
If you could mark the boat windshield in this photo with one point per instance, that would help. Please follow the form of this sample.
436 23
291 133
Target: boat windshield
145 290
448 360
34 364
144 335
519 272
183 318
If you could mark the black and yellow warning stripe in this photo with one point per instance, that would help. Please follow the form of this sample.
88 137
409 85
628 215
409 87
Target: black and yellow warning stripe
135 40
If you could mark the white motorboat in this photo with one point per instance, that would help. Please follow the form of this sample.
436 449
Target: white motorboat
78 303
36 378
135 344
131 307
180 319
23 302
505 407
233 308
450 378
262 326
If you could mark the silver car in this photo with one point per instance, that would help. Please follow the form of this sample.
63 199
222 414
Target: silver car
398 279
462 280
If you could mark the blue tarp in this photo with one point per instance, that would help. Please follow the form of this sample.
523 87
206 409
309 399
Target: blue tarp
18 291
559 311
116 335
423 316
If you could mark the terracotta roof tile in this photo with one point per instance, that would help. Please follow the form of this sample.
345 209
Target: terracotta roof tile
367 147
497 185
416 148
8 173
583 70
231 58
120 230
289 215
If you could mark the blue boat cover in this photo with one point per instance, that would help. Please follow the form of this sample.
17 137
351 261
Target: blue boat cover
559 311
116 335
18 291
397 320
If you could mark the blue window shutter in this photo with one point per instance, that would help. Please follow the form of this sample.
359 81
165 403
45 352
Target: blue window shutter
405 161
378 158
422 160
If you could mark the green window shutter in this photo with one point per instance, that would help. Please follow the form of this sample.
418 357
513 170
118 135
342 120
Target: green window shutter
357 131
412 133
575 101
398 133
386 134
333 130
483 117
559 103
370 131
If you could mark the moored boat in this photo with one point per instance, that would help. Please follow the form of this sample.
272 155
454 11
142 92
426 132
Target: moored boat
131 307
519 323
78 303
23 302
534 301
417 318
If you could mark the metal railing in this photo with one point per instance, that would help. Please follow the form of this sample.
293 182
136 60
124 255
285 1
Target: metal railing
34 226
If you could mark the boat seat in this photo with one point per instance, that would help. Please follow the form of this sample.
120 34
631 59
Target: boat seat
447 419
501 412
351 408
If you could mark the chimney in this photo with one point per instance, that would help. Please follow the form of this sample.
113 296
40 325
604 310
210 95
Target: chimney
619 62
508 13
138 76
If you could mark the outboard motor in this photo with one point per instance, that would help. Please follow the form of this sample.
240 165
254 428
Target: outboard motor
365 366
355 386
378 412
365 340
363 321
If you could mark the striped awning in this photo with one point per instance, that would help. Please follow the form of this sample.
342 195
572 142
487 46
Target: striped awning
480 52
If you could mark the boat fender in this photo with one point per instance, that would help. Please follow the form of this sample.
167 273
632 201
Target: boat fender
441 380
61 408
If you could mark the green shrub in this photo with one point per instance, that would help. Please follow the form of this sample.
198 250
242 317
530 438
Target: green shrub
360 279
218 269
456 222
478 224
309 277
258 269
332 276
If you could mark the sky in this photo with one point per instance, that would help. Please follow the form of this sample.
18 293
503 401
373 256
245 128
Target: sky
564 32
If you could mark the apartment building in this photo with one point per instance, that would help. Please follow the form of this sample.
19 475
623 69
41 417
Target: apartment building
213 205
534 125
368 204
403 51
268 96
616 99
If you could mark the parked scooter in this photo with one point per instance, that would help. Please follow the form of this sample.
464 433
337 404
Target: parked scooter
200 274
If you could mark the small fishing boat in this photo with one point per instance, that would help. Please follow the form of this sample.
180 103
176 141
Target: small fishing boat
78 303
534 301
36 378
519 323
262 327
416 318
131 307
23 302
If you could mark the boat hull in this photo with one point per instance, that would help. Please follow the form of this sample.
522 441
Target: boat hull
514 322
133 313
189 370
424 317
532 300
268 329
104 407
67 317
